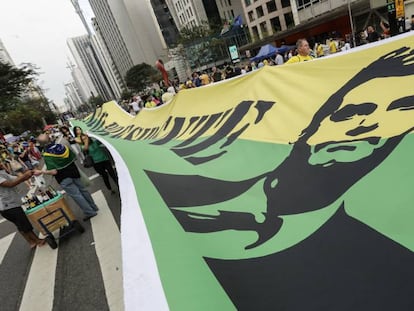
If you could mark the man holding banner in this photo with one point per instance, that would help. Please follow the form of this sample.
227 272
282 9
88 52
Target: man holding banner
60 162
303 49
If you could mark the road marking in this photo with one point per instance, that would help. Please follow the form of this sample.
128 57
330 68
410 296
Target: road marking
5 244
2 220
93 176
40 285
108 249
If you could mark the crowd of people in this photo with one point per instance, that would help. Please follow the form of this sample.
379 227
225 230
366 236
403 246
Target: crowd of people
52 153
305 50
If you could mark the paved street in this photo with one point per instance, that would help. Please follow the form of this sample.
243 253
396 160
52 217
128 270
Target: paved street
84 273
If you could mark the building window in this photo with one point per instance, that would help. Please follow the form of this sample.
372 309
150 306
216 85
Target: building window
247 2
255 32
275 22
259 11
251 16
263 29
286 3
289 20
271 6
229 2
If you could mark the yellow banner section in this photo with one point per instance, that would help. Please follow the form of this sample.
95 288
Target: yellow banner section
367 92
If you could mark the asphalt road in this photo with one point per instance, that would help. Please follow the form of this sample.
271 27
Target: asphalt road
84 273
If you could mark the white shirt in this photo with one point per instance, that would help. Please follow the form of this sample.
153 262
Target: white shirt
135 106
9 198
279 59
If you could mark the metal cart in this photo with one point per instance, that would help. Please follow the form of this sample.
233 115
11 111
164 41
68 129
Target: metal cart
52 215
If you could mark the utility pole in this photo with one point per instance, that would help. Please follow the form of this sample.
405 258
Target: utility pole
82 17
351 21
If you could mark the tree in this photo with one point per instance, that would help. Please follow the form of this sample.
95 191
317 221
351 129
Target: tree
23 117
13 82
140 76
126 94
96 101
195 33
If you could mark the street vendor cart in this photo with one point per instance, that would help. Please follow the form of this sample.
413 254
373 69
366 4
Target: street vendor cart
53 215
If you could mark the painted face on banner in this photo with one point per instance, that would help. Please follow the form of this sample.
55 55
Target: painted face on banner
366 114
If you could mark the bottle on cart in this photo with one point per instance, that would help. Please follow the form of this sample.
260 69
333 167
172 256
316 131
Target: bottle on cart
39 197
32 203
44 195
52 191
35 200
25 203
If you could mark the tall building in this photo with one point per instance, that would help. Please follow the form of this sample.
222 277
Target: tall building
264 17
109 70
230 9
4 55
166 22
130 31
188 14
74 100
111 79
85 59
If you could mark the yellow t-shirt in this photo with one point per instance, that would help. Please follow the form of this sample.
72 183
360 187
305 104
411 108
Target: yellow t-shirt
204 79
319 50
150 104
299 58
332 47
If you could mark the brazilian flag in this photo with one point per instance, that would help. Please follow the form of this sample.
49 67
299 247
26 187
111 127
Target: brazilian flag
288 188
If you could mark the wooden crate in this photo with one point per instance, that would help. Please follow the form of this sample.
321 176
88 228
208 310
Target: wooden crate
47 209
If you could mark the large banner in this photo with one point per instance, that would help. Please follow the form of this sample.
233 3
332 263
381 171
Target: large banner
289 188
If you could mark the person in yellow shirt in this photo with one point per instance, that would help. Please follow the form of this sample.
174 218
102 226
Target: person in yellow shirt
319 50
205 79
332 46
302 46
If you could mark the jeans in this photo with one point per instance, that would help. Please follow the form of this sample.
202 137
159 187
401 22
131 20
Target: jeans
80 195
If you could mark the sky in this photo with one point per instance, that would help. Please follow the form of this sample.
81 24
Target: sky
35 31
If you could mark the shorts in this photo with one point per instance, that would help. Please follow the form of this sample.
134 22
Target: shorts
17 216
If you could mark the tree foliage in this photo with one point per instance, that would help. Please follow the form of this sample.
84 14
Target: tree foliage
96 101
195 33
140 76
13 82
126 94
19 112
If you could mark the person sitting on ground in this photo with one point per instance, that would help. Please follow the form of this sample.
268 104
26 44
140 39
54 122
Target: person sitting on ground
10 204
101 162
303 55
60 163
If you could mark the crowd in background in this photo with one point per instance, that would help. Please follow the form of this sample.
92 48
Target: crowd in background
320 46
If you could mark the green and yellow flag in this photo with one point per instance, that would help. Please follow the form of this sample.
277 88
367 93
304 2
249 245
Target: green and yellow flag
289 188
